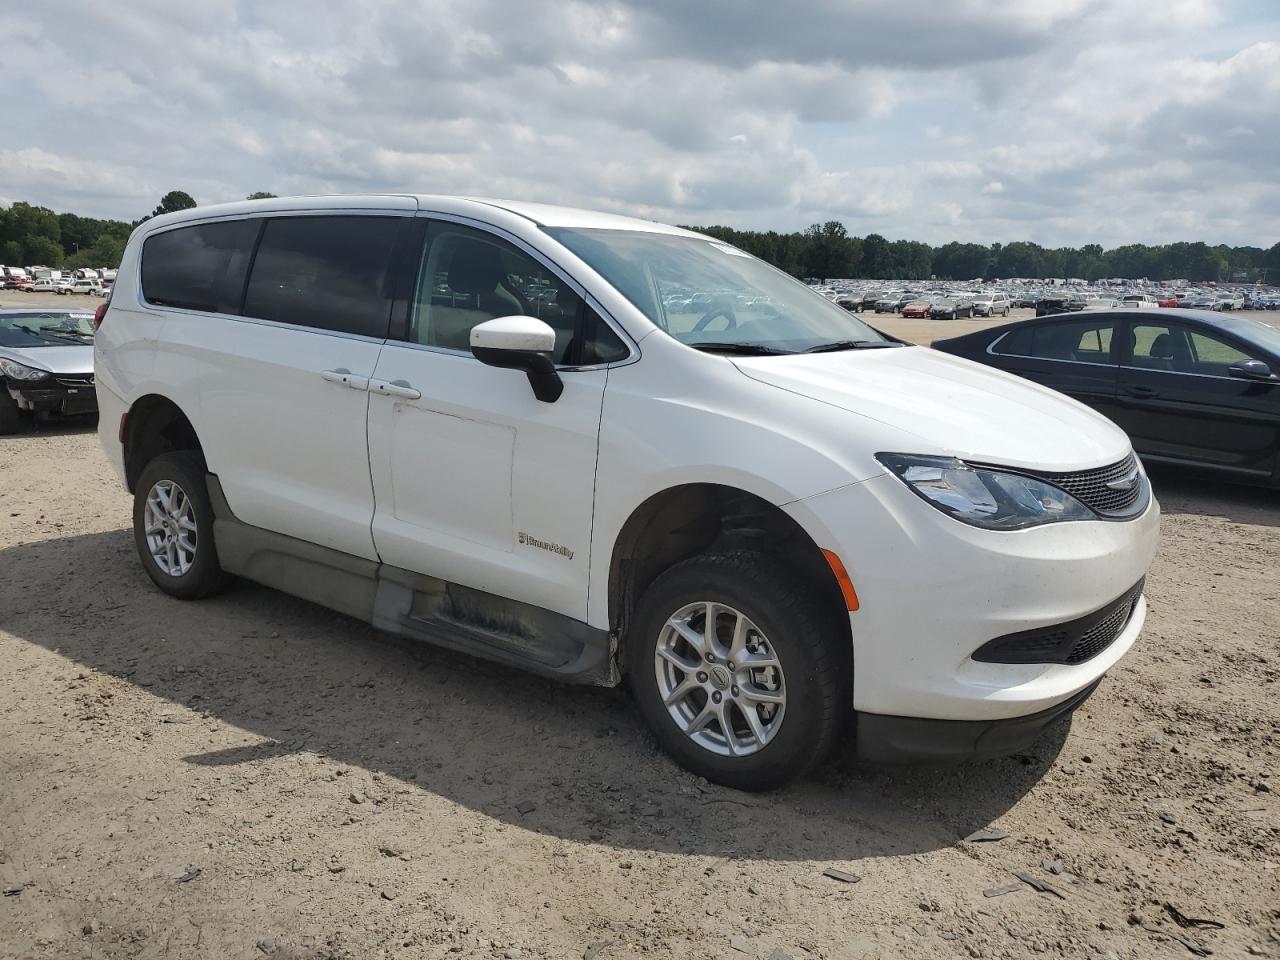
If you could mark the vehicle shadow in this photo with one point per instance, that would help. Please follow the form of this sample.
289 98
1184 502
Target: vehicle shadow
1185 493
60 427
300 678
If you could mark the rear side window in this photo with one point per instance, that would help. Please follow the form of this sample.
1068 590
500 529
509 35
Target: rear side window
1083 341
333 273
200 267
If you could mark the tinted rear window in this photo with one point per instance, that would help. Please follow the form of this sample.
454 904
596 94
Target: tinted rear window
325 272
199 267
1082 341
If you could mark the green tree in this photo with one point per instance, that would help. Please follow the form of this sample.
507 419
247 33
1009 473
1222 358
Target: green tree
259 195
1018 259
876 261
1271 264
910 259
43 251
30 235
829 251
172 202
961 261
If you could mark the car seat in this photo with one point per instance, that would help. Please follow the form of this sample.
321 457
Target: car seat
1172 351
477 273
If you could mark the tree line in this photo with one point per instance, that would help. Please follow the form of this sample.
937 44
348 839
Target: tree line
36 235
31 235
828 251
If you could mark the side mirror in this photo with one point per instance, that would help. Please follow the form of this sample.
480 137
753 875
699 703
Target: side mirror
1250 370
520 343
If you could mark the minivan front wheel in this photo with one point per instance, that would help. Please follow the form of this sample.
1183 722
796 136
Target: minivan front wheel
720 679
741 674
173 527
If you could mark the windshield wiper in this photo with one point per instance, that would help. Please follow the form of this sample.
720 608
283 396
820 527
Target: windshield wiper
46 334
741 349
852 345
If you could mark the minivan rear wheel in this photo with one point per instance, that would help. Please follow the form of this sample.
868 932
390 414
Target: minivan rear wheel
173 527
742 675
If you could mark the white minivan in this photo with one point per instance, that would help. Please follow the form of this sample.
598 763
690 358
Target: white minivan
605 449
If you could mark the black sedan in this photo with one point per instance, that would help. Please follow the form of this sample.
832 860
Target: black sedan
1190 387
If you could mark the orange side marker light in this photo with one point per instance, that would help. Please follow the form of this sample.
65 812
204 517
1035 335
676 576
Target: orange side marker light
842 578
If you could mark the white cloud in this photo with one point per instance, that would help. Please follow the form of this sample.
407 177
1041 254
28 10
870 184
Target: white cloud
1061 121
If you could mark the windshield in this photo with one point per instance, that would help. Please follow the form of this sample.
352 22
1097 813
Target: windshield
45 329
705 292
1257 331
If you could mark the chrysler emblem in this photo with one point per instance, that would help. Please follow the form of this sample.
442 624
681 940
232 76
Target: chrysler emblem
1124 483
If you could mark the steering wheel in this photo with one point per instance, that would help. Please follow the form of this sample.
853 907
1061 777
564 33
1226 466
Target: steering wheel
720 310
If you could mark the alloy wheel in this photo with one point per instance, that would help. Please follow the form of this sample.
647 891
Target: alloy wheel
720 679
170 528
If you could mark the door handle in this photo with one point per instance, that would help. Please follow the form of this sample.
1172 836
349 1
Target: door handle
1140 391
345 377
394 388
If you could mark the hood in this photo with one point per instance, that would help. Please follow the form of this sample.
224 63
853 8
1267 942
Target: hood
952 406
73 358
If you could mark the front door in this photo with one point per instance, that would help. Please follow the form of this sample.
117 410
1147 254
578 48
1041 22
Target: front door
1179 403
476 481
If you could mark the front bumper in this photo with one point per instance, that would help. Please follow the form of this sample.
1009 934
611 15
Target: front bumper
63 395
934 590
882 739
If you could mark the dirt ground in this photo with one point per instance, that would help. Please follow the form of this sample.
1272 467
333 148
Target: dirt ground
253 776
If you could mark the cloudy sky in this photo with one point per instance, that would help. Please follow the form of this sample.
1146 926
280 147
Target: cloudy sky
1058 121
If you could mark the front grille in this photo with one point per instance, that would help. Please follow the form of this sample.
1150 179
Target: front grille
1091 488
1069 643
75 379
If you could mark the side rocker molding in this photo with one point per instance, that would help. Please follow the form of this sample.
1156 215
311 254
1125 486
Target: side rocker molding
414 605
328 577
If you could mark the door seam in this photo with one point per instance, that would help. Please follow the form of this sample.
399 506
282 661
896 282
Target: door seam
368 452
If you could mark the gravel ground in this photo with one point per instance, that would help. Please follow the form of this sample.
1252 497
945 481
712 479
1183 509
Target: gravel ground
253 776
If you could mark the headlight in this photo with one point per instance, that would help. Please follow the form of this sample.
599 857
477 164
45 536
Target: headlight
986 498
20 371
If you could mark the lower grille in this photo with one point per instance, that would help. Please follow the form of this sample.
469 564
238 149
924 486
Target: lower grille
1072 643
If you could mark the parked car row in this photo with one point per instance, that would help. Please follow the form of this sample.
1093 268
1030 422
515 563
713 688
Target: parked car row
998 299
48 280
62 286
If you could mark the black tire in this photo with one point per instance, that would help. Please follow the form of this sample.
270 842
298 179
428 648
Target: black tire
205 577
808 641
10 415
